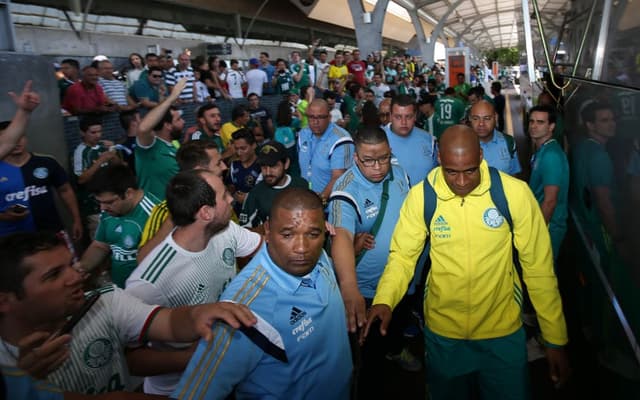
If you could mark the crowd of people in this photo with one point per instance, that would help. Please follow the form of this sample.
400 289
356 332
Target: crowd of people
294 245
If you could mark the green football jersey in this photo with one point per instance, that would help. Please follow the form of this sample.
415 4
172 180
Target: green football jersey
155 166
449 112
123 234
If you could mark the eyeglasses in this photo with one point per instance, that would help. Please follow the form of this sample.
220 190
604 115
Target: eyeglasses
370 162
317 117
156 76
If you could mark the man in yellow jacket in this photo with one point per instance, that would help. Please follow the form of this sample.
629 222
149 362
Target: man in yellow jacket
473 330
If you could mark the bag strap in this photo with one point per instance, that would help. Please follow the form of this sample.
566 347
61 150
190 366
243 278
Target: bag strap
347 199
340 142
383 208
497 196
430 199
511 144
500 200
496 191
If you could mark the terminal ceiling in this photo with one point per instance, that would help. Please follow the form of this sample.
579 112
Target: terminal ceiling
481 24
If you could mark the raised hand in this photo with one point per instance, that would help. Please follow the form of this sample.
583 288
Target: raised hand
28 100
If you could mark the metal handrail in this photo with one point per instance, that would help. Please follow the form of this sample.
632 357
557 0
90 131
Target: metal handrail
595 259
546 50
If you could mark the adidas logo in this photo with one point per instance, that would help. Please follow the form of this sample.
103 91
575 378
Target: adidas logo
368 203
118 229
296 315
440 221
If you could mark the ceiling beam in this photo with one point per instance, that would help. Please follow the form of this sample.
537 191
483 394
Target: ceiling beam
295 27
418 4
478 17
494 26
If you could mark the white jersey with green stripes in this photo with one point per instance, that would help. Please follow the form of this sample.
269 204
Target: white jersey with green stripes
97 363
172 276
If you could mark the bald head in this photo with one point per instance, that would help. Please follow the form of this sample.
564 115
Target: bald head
483 105
296 199
483 118
295 230
319 118
319 104
460 157
459 139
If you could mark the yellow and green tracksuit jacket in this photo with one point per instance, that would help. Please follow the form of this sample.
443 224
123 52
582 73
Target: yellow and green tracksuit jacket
473 290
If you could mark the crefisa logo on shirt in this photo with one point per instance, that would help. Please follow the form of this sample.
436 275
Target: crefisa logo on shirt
492 218
441 228
370 209
304 327
27 193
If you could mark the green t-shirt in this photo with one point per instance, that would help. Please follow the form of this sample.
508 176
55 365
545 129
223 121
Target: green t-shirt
627 109
201 135
486 97
155 166
284 83
549 167
449 111
591 167
462 88
558 130
304 81
83 158
123 235
408 90
350 106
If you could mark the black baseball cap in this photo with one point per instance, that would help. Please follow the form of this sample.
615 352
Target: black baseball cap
272 152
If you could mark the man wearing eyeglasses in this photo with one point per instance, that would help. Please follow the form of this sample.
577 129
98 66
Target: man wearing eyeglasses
324 149
364 223
151 91
497 148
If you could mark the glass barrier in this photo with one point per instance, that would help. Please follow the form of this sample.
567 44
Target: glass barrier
621 62
601 123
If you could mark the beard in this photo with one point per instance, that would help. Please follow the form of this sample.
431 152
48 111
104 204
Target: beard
176 134
216 227
273 180
213 128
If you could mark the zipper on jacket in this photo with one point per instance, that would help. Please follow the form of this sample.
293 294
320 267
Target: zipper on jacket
469 274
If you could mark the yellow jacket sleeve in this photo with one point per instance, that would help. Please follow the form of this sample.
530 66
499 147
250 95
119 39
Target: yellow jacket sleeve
531 238
407 243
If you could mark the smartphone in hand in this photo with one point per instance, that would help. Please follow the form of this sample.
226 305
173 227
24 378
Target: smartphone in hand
75 318
19 208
